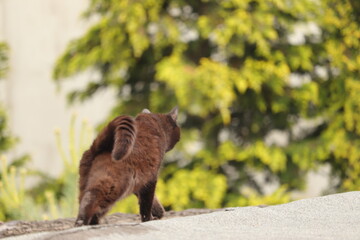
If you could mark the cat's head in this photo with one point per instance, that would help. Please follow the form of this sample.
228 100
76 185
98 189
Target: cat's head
170 126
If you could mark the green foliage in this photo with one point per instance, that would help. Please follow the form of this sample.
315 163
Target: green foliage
192 189
238 70
14 202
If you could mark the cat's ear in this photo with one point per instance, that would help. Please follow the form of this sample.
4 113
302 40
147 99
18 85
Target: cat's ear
145 110
174 113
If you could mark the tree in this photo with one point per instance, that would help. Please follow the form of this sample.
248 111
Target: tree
241 71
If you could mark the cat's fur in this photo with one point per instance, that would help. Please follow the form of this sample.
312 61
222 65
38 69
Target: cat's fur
125 158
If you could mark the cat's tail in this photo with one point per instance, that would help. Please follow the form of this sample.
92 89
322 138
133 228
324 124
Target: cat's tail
124 137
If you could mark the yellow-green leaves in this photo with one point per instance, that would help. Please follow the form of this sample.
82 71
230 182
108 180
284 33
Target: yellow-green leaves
134 18
14 202
352 105
194 188
212 83
273 157
209 84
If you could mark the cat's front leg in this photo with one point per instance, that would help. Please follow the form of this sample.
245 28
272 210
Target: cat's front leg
146 197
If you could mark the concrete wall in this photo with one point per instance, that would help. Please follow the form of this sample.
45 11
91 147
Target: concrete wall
37 32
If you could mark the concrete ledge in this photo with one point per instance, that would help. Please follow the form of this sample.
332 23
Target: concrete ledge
330 217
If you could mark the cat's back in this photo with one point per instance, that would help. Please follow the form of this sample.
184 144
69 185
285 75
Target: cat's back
147 119
149 145
150 134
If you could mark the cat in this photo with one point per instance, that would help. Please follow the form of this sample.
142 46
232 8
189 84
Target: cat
125 158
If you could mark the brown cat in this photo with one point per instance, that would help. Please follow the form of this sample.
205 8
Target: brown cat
125 158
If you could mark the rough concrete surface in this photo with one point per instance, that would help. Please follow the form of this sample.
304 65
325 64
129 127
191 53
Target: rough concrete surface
330 217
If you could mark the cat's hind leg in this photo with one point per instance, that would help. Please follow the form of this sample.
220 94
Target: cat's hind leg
86 209
99 198
85 166
93 207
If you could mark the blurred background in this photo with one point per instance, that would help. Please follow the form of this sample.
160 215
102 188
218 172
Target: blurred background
268 93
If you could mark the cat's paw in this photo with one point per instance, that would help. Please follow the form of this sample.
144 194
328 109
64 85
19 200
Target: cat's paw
147 218
157 212
79 222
